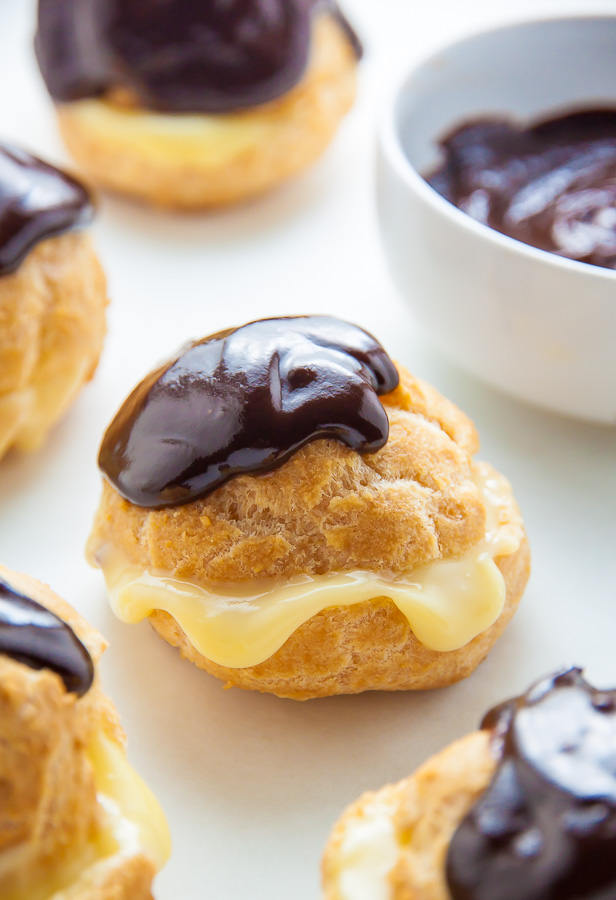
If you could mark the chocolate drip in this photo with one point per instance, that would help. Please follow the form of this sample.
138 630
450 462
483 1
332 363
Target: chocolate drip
181 56
552 185
545 829
33 635
37 202
243 401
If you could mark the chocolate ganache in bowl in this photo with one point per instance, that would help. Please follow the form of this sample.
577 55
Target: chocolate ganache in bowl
551 185
497 207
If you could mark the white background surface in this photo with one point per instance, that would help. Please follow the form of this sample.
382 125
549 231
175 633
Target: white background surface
252 784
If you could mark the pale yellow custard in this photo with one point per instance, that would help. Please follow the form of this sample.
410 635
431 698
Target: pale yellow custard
183 139
446 602
136 820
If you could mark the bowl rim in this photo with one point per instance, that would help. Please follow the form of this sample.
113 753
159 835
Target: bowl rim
392 150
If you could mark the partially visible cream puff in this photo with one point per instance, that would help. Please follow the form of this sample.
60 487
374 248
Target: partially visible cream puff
301 517
524 809
52 297
76 821
199 105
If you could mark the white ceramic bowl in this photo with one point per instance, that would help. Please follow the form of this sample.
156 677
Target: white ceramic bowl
538 326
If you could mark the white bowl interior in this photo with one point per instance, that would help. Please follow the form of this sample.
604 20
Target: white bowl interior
538 326
524 70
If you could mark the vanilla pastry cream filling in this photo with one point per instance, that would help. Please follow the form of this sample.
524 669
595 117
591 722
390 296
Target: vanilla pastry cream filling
132 823
179 139
446 602
135 820
367 853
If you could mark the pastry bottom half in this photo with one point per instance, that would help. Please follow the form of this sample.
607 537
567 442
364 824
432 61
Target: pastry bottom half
198 161
76 821
365 646
392 844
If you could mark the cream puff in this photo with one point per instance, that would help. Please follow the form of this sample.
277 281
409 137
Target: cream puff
52 297
301 517
524 809
191 105
76 821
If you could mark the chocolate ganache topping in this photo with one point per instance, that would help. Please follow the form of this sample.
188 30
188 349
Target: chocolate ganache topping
552 185
31 634
37 202
243 401
182 56
545 829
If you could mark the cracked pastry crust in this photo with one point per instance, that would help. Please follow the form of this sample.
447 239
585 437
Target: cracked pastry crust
425 810
330 509
52 325
196 161
49 816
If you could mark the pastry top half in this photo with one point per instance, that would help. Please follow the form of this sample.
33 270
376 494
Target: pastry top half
290 459
185 57
178 457
525 809
76 821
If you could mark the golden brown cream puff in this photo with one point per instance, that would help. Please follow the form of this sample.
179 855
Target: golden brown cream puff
301 517
524 809
189 106
52 297
76 821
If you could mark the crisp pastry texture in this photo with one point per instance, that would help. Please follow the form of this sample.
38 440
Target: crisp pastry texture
52 325
402 833
192 161
63 771
327 510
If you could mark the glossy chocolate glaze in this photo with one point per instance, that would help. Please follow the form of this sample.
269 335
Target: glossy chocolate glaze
37 202
33 635
182 56
552 185
545 829
243 401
